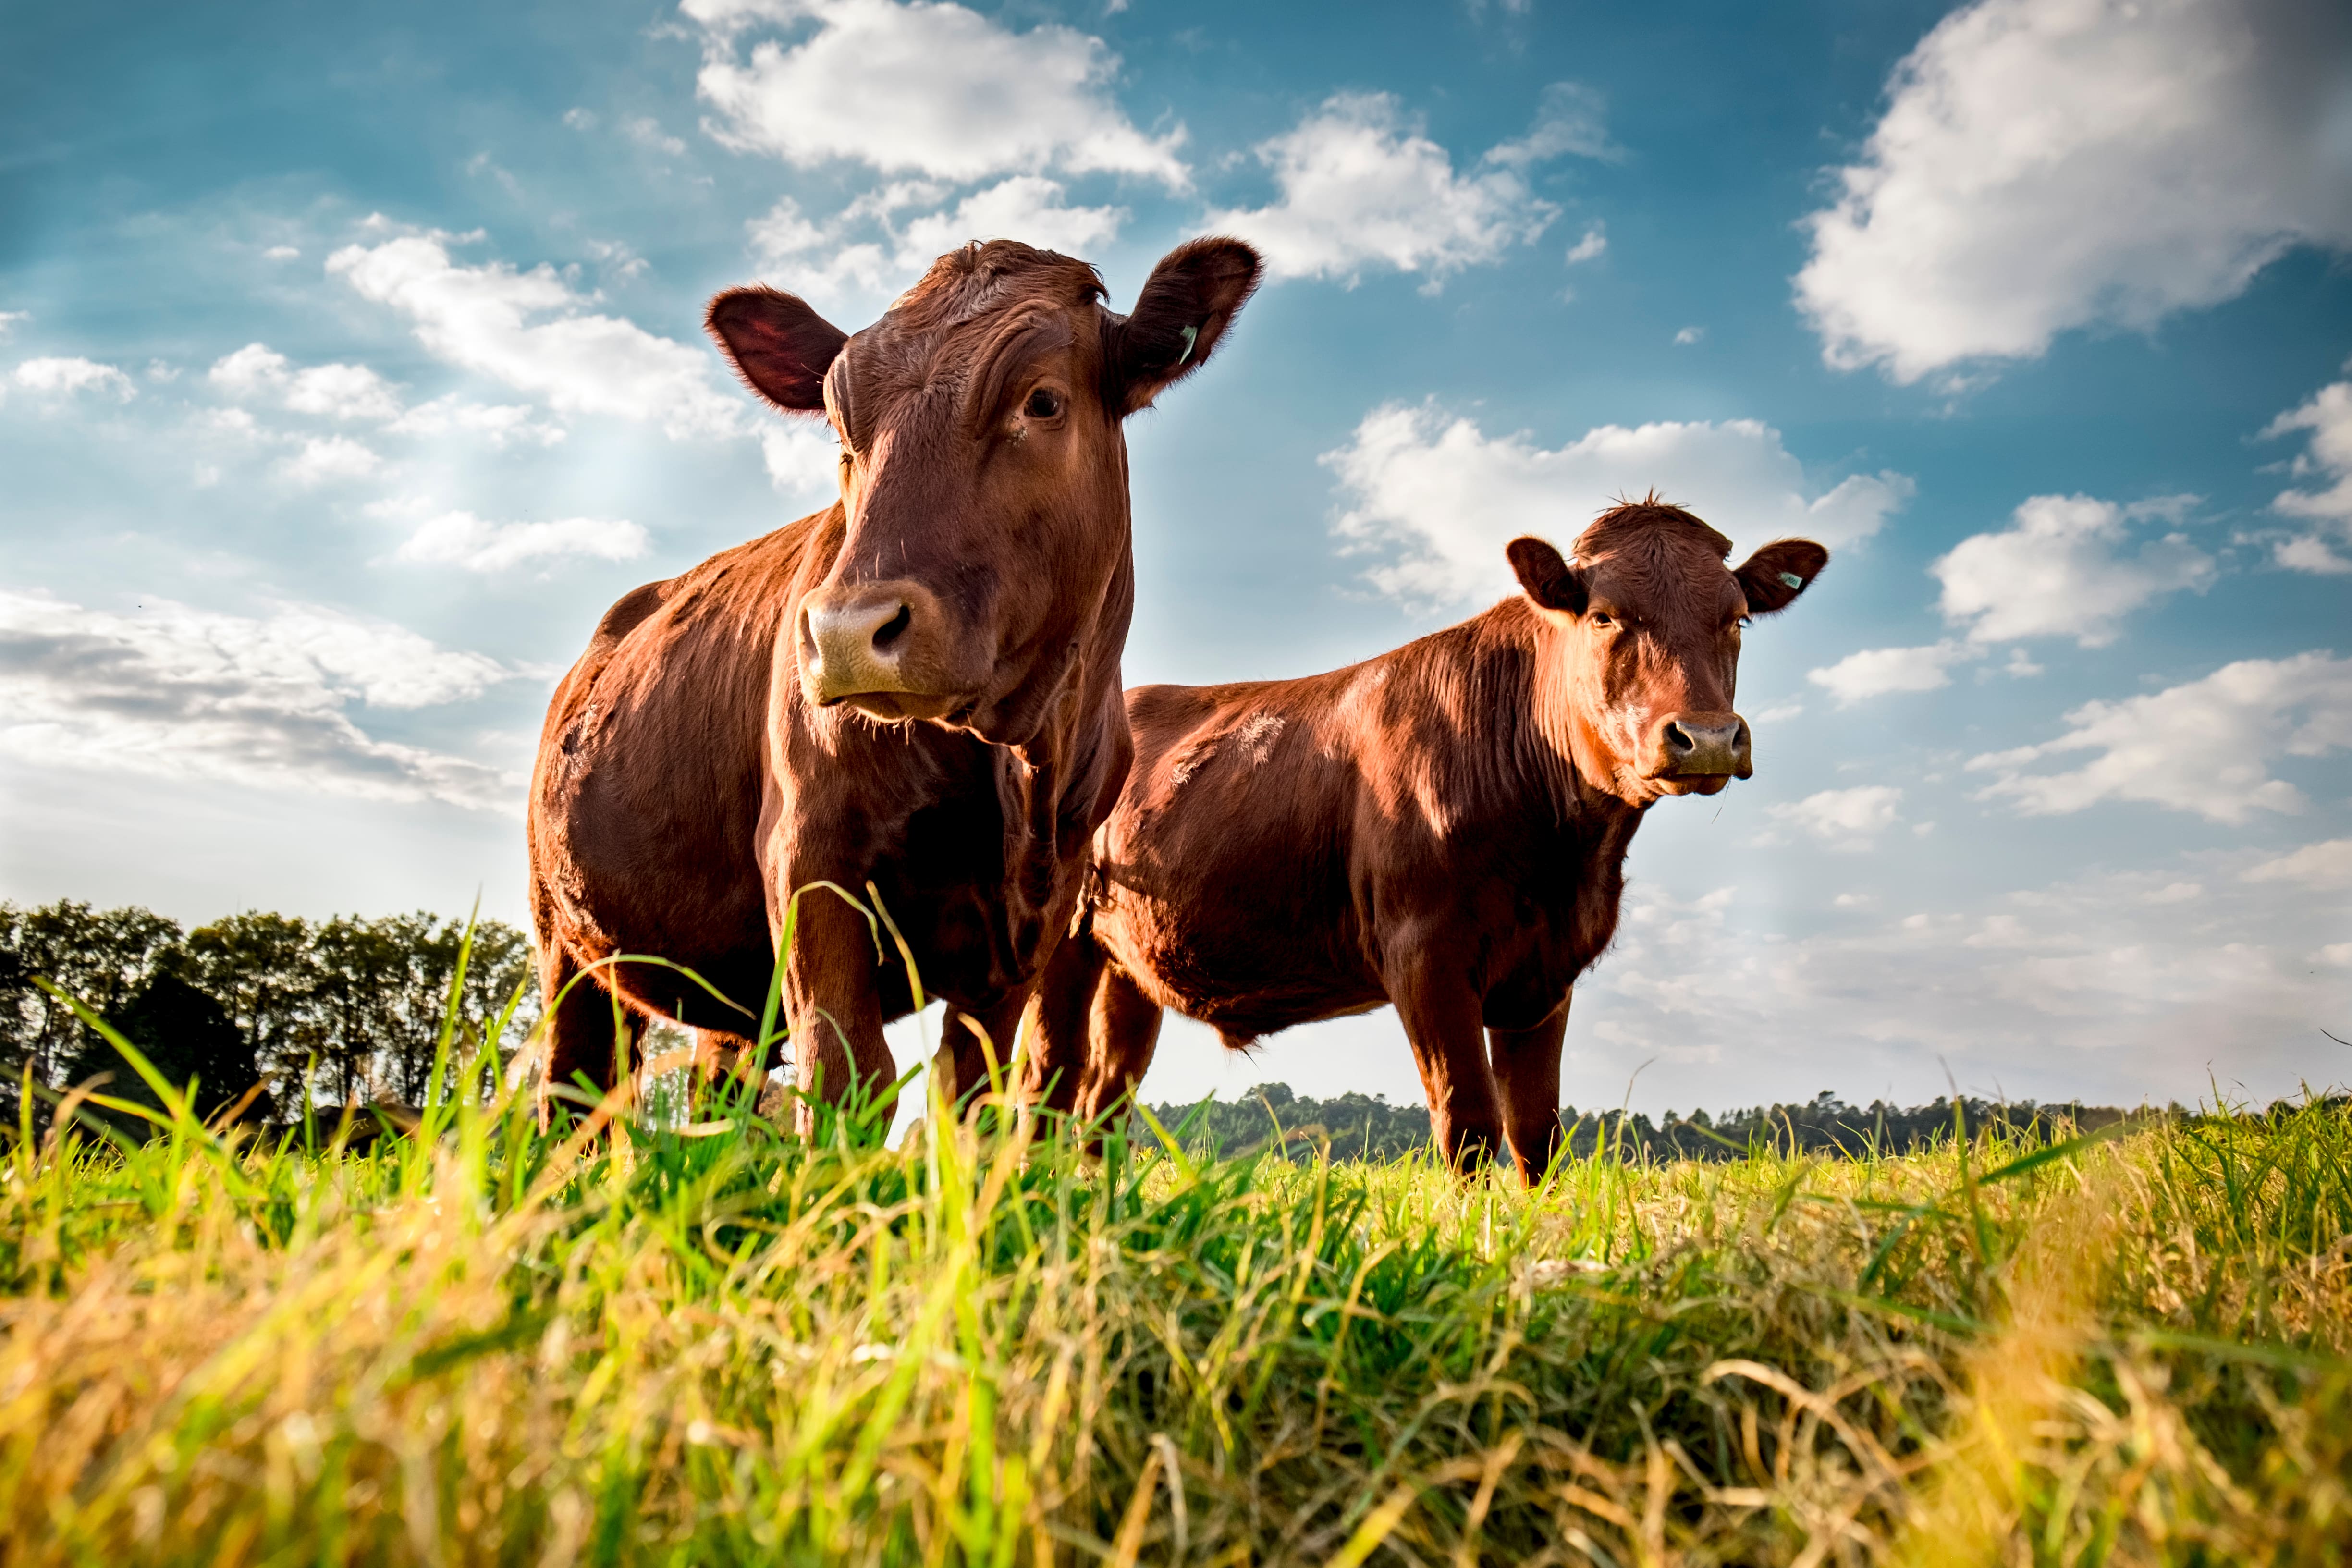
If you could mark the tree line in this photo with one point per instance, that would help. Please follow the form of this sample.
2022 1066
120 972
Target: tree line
1362 1126
352 1008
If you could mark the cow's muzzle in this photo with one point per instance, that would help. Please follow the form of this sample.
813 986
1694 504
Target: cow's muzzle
1697 751
877 646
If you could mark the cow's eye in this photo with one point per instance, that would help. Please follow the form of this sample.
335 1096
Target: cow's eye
1601 618
1042 405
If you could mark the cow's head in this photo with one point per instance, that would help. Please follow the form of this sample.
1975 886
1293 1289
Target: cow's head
983 470
1645 622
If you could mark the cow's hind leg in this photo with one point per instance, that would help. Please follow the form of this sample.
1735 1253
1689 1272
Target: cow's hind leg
961 1064
590 1031
1060 1051
1526 1076
1124 1029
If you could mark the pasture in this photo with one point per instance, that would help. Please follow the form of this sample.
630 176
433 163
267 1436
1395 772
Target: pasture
649 1340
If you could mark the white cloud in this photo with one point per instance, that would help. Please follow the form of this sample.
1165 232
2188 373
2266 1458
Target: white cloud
1440 498
925 87
1875 671
2329 458
9 319
1571 120
282 253
1025 208
2328 863
2207 746
2062 569
461 539
1362 184
646 132
1845 819
70 377
501 424
2099 987
177 692
332 391
481 319
325 458
1688 335
1591 248
867 251
803 460
2046 165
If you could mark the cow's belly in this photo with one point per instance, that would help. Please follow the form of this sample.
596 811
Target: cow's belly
1247 965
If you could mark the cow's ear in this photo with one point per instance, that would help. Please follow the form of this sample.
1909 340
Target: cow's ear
1776 575
1190 298
1548 580
778 345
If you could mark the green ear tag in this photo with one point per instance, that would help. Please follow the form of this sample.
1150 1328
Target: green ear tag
1793 580
1192 335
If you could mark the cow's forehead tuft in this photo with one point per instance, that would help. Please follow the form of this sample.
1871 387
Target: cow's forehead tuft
1650 525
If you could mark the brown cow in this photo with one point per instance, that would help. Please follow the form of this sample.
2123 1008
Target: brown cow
917 686
1444 827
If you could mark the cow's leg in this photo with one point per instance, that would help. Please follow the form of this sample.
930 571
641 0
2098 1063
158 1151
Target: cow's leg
1124 1029
835 1012
1441 1020
588 1031
1061 1049
961 1064
1526 1074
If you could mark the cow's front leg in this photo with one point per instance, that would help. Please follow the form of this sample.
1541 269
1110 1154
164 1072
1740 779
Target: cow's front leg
833 1005
1440 1015
1526 1072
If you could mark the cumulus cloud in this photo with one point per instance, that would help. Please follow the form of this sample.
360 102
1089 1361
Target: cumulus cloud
2207 746
501 424
530 332
177 692
2064 568
461 539
1874 672
925 87
323 460
72 378
9 319
1591 248
1439 497
2328 863
2328 459
868 249
332 391
1361 184
2047 165
1846 819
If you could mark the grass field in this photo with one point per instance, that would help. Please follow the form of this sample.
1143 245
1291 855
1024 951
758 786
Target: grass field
716 1343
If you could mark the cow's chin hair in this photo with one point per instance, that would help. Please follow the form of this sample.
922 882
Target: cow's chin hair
1703 784
901 707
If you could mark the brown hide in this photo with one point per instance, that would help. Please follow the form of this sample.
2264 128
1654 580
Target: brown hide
917 686
1442 827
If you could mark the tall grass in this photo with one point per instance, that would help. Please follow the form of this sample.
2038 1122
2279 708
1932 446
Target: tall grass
638 1340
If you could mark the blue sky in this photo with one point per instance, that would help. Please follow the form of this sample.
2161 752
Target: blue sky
349 367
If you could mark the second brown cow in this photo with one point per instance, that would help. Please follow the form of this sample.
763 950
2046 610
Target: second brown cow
1442 827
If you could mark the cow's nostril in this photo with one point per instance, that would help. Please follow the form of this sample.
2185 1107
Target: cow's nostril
894 627
1678 741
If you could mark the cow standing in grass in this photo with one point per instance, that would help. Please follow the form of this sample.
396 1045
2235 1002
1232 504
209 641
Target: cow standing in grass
1442 827
917 687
